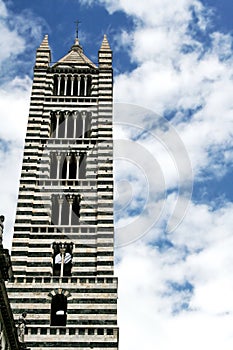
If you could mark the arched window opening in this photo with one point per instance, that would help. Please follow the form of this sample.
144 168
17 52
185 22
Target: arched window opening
68 89
62 86
89 85
58 310
75 89
53 125
82 166
79 127
87 132
70 127
55 85
82 85
61 130
65 213
53 166
62 259
73 167
75 211
54 211
64 166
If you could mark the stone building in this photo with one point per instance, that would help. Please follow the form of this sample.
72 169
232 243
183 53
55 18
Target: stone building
8 334
63 244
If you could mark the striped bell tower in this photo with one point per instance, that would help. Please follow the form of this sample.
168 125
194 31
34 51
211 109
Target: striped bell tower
63 244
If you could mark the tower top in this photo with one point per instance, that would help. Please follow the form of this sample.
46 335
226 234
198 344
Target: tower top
45 43
105 44
43 55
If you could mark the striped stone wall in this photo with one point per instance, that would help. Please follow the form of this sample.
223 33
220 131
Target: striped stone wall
91 289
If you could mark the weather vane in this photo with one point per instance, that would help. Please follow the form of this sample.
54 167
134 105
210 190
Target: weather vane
77 27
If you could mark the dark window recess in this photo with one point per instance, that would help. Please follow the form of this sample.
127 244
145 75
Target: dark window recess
71 331
109 331
34 331
59 310
62 257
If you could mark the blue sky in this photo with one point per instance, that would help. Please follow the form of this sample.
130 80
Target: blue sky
173 60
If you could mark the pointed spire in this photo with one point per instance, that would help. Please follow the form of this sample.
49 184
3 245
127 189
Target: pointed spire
43 55
105 44
45 43
105 54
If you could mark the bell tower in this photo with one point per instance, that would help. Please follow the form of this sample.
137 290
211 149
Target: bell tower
63 244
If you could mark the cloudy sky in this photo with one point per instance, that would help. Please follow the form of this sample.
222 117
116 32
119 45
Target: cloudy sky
173 82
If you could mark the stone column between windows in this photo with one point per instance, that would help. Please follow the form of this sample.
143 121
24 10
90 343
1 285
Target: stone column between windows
68 157
58 164
65 88
58 85
66 123
57 124
85 85
77 157
79 79
70 201
75 115
84 124
60 202
72 85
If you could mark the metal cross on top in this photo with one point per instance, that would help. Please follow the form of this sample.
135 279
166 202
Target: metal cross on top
77 27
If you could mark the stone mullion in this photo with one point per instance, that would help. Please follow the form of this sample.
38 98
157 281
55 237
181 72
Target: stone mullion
58 85
72 85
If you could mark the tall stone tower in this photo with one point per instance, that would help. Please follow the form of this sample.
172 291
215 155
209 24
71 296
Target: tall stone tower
63 245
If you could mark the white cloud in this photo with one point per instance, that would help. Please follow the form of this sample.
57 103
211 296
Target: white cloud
155 301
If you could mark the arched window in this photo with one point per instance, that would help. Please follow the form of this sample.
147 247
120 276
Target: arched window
75 89
75 211
70 127
58 310
64 166
62 85
53 166
73 167
82 85
79 126
89 85
87 131
65 212
54 211
53 125
68 89
55 85
61 130
82 166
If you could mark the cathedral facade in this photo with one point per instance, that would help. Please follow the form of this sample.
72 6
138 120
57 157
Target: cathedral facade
63 244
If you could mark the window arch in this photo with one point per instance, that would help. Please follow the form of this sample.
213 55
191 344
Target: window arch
82 166
59 310
89 85
62 86
53 124
55 85
82 85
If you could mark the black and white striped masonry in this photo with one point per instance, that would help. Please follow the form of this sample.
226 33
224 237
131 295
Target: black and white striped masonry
63 245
